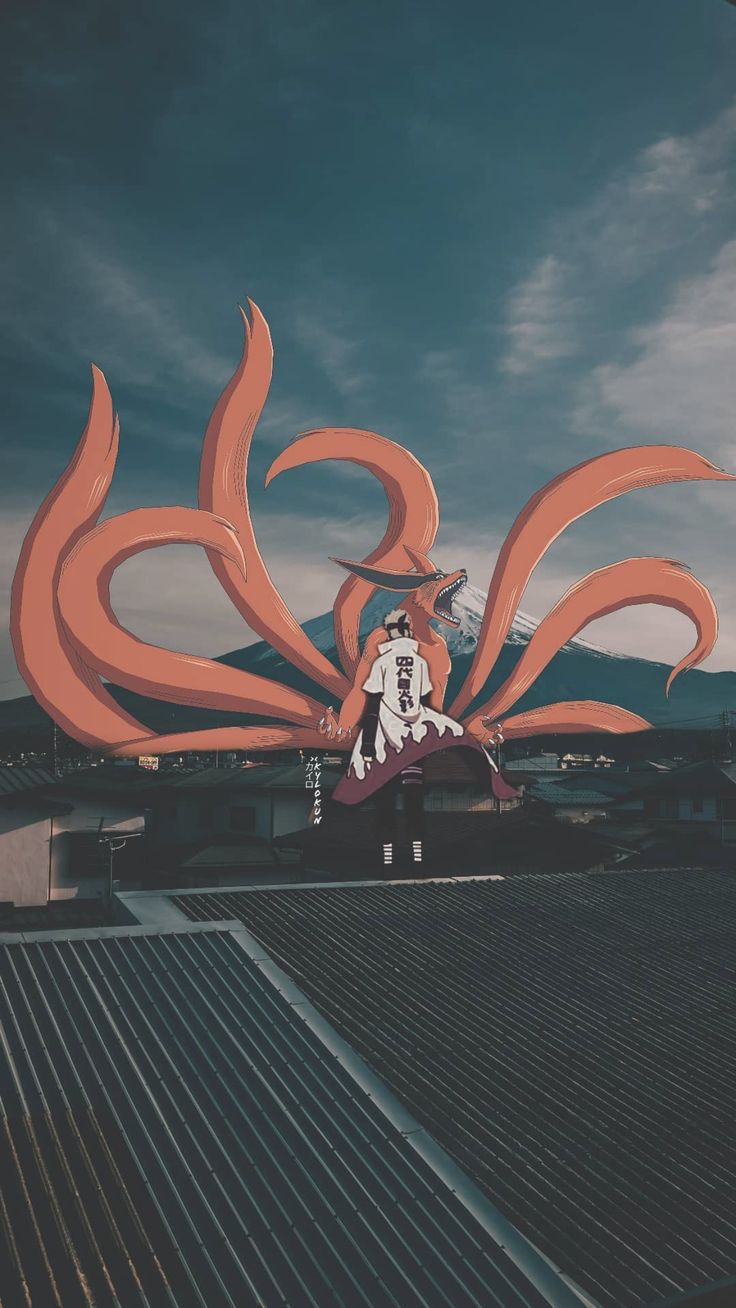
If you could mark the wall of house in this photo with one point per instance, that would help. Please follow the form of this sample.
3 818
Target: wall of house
704 810
292 812
683 809
24 858
199 818
66 881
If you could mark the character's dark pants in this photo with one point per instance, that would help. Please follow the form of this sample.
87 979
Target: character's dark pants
410 782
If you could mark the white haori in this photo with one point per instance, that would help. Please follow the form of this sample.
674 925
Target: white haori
401 676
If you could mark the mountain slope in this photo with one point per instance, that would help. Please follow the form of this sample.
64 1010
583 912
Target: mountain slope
580 671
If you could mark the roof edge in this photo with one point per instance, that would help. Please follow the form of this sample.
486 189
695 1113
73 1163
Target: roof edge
559 1290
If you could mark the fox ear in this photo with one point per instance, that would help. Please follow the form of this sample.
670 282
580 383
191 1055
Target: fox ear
421 562
383 577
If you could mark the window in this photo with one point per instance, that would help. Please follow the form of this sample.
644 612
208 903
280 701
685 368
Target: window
697 805
243 819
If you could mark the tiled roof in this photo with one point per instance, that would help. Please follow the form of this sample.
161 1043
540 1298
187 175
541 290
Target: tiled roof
455 843
112 779
256 778
245 854
463 767
705 778
15 781
567 796
174 1133
141 784
570 1041
569 786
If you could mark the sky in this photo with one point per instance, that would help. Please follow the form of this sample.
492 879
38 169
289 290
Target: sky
503 235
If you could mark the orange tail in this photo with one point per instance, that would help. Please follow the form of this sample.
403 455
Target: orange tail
632 581
251 739
573 716
223 490
547 514
84 603
52 669
413 513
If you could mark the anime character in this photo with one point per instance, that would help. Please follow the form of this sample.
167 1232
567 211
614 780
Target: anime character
397 694
67 638
430 598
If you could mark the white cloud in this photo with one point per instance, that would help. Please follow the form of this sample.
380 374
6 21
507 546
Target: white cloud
171 597
671 193
680 384
327 337
540 318
149 324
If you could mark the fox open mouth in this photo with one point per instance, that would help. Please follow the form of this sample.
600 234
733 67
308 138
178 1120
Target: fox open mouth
443 603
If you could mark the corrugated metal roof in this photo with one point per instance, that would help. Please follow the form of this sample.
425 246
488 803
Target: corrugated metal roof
172 1133
570 1041
15 781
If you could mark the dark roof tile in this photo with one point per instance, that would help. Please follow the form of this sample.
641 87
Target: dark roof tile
569 1040
175 1134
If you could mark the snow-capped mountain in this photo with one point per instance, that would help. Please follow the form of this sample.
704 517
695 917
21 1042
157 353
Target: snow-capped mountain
469 606
579 671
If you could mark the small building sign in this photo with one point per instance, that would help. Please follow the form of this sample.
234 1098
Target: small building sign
149 761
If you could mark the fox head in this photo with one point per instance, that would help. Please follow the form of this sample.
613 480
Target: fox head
427 586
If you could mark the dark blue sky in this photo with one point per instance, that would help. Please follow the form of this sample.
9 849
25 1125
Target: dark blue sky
500 234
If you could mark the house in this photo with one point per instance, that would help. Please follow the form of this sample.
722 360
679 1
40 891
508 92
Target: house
459 781
102 802
27 820
456 844
252 858
595 795
543 762
265 800
700 798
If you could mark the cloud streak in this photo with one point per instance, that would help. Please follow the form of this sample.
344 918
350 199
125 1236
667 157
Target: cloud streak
679 382
672 193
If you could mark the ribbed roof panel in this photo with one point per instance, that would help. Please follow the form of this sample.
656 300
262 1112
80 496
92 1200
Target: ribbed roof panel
570 1041
172 1133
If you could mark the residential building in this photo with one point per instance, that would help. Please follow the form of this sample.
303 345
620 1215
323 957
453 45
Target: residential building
27 819
700 797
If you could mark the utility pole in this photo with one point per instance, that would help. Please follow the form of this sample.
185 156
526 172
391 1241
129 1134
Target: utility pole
114 841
